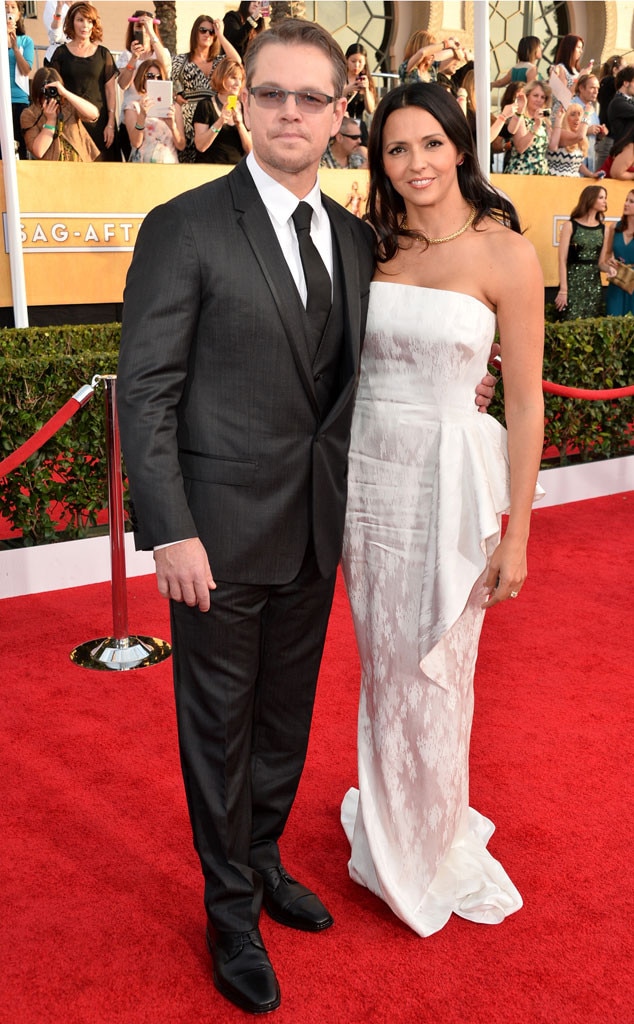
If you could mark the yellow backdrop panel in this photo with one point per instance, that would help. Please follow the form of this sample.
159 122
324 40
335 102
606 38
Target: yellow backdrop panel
79 222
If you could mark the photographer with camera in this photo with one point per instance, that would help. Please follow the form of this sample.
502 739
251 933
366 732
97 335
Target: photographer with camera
52 125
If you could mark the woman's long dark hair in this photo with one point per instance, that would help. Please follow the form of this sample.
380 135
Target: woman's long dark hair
622 224
586 201
565 51
623 143
386 207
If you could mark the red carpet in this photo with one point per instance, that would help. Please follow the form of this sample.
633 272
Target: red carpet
101 891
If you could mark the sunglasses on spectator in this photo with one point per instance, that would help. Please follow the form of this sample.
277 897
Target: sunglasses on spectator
151 74
206 31
272 99
346 136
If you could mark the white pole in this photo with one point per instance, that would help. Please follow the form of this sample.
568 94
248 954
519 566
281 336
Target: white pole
14 240
482 61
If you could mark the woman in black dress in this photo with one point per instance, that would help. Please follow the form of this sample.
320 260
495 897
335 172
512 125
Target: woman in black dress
192 71
243 25
88 69
359 90
220 134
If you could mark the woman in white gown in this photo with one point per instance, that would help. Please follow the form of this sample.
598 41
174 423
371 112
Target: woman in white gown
429 478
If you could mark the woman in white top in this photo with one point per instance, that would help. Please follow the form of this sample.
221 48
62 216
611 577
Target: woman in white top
154 140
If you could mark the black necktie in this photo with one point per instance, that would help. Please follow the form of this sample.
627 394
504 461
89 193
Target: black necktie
318 284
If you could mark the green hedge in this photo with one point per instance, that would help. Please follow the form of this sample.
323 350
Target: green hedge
594 354
66 480
40 368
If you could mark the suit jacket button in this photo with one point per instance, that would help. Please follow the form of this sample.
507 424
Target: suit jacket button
318 376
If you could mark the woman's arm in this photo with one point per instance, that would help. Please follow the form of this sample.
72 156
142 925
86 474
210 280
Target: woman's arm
522 342
86 110
22 62
525 137
134 118
228 49
243 131
561 299
39 137
606 256
555 140
501 82
177 126
111 102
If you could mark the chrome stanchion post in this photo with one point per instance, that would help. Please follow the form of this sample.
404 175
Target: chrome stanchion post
121 651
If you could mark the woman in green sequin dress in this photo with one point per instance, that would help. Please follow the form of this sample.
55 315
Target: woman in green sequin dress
580 244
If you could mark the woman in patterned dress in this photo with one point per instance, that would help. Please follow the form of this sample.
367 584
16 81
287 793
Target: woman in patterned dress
580 246
530 141
568 146
191 73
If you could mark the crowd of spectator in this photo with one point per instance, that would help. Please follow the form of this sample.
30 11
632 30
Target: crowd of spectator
573 122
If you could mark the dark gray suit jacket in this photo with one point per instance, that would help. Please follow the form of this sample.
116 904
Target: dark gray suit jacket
220 424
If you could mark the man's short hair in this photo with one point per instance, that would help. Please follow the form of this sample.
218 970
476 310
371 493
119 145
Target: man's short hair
582 81
348 125
626 74
295 31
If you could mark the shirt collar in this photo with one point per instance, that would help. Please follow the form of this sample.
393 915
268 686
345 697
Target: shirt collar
279 201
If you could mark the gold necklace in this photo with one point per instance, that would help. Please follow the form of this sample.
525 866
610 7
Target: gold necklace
447 238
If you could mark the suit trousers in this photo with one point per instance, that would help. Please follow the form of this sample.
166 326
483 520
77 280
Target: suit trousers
245 675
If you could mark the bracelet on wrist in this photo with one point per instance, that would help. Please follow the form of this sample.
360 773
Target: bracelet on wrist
215 130
140 127
130 67
51 127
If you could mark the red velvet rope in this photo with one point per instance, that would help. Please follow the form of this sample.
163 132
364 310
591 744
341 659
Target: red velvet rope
46 431
591 396
81 397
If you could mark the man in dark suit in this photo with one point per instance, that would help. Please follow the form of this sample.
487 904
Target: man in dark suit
235 402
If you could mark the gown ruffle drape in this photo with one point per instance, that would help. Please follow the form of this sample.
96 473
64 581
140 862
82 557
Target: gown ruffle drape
428 481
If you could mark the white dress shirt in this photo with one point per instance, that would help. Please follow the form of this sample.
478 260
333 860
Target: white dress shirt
280 206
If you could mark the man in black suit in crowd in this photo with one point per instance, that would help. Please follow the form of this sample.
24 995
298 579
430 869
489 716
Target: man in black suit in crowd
235 402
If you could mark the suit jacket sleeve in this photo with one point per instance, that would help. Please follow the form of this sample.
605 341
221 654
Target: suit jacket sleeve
160 316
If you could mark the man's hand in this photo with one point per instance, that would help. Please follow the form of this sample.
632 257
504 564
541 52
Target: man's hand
485 390
183 573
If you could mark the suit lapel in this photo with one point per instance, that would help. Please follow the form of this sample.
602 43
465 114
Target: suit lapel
256 224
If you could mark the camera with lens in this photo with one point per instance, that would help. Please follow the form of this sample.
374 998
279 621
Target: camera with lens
49 92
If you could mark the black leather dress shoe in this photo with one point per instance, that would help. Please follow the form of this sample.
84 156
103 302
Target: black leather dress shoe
292 904
243 971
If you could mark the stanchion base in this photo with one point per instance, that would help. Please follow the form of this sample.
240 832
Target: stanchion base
121 655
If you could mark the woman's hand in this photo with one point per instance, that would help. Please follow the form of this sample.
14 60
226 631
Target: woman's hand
108 135
520 103
507 571
561 300
136 49
51 109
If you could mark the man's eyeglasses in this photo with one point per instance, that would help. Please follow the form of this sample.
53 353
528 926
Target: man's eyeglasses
206 31
150 74
346 136
273 99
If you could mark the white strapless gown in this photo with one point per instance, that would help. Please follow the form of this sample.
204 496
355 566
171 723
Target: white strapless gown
428 480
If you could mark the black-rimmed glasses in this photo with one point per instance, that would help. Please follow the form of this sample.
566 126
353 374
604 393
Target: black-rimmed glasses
346 136
206 31
150 74
272 99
